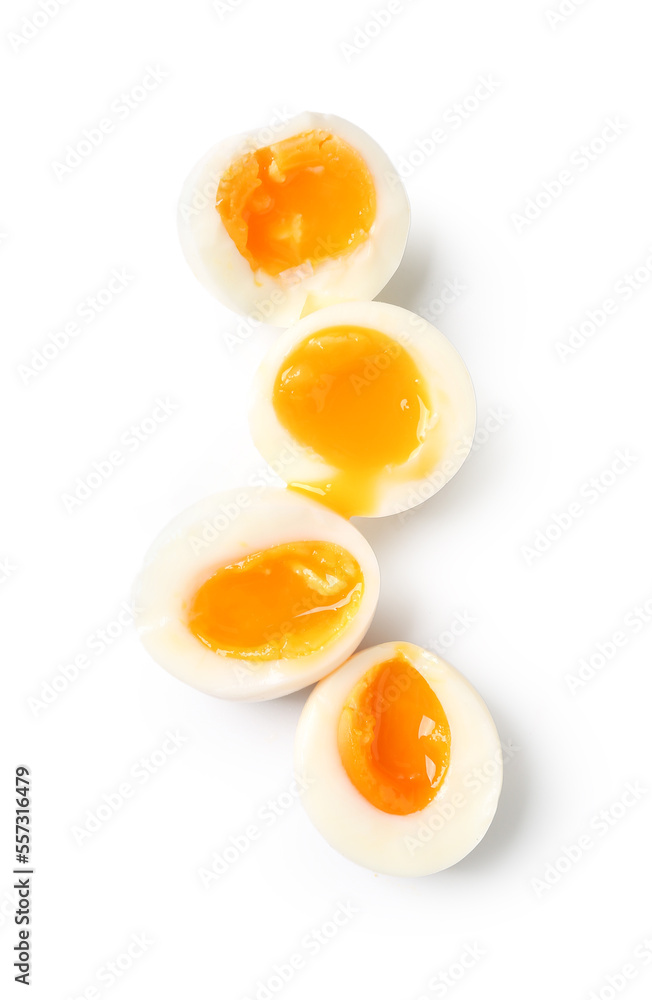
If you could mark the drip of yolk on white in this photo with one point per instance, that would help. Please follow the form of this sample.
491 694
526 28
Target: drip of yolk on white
356 397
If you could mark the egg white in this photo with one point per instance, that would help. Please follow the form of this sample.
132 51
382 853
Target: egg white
221 530
423 842
441 367
216 261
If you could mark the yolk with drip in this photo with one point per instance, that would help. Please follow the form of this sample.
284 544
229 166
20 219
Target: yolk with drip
286 601
356 397
394 738
299 201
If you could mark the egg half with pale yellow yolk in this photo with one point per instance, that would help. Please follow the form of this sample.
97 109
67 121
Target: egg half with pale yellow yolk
364 406
400 759
256 593
275 220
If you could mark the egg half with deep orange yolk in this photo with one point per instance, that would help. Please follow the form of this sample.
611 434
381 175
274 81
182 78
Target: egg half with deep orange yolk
364 406
274 220
255 593
400 759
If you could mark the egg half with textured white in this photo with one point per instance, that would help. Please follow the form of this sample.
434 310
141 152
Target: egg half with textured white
365 406
401 761
274 220
255 593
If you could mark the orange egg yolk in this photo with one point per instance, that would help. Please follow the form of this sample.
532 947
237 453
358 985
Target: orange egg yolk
394 738
299 201
286 601
355 397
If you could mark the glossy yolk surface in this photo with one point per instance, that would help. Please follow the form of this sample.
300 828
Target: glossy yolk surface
356 397
299 201
394 738
282 602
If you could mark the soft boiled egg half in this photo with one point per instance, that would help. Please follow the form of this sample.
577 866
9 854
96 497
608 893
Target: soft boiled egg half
256 593
272 221
401 761
365 406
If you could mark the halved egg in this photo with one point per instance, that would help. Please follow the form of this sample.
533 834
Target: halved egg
271 222
365 406
400 759
256 593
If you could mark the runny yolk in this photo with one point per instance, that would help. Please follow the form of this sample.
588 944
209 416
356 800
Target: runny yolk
286 601
299 201
394 738
356 397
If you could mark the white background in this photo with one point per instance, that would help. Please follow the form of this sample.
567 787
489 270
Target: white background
465 552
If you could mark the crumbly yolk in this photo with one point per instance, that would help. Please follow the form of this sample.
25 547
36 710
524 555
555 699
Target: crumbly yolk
356 397
394 738
286 601
299 201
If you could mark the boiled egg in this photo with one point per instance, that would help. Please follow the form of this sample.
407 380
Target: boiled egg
400 759
272 221
255 593
364 406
